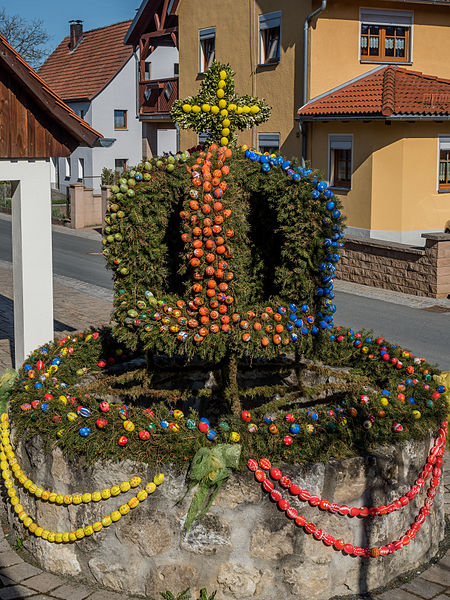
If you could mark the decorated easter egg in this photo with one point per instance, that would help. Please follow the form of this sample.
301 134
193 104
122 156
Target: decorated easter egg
234 436
72 416
287 440
122 441
397 427
273 429
144 434
101 423
245 415
128 425
190 424
104 406
85 432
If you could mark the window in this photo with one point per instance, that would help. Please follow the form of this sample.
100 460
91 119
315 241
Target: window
147 67
120 119
340 161
207 48
269 38
444 163
269 142
81 169
176 69
203 137
68 168
120 165
385 36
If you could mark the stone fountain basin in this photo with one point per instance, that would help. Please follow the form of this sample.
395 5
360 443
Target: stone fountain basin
245 547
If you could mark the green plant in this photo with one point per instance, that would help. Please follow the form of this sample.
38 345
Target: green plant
19 543
109 176
185 595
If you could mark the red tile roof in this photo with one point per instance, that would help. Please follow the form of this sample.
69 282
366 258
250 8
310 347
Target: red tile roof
82 73
387 91
44 95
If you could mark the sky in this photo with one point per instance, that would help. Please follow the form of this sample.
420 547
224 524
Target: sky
57 14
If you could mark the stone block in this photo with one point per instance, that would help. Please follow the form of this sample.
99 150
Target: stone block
15 591
423 588
438 574
20 571
71 592
9 558
397 594
44 582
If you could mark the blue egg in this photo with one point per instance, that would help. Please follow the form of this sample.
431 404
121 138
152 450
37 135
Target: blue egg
44 350
332 337
138 177
281 310
85 431
45 407
247 154
296 177
357 343
327 242
411 400
56 361
28 368
265 167
204 420
311 414
305 308
289 326
339 409
315 194
299 323
323 324
164 424
368 340
294 428
328 194
409 382
211 434
38 386
314 330
268 419
286 164
330 205
292 307
304 330
253 156
294 337
336 214
441 389
385 393
319 292
322 186
292 317
83 411
263 158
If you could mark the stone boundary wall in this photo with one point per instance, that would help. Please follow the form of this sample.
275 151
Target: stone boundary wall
86 208
399 267
245 548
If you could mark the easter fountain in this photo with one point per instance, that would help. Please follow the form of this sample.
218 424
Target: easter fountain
223 265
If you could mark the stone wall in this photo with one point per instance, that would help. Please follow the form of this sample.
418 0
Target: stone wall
245 547
392 266
87 208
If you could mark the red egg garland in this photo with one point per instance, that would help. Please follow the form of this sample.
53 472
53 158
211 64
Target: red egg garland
434 462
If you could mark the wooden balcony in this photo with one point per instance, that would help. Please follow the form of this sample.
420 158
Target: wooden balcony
157 96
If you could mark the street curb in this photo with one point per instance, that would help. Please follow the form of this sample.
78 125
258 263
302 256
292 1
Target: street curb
90 235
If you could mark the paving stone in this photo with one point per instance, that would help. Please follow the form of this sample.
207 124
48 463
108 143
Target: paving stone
6 581
16 591
44 582
104 595
397 594
423 588
438 574
440 597
71 592
21 571
9 558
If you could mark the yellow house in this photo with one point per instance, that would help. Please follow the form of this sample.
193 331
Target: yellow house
391 164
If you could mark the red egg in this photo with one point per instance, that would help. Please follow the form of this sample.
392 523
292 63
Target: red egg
101 423
204 428
104 406
144 435
246 416
123 440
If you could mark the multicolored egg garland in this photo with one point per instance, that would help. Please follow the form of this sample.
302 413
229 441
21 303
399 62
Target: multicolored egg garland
11 468
433 466
308 421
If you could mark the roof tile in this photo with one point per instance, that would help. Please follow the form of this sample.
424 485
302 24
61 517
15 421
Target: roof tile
82 73
387 91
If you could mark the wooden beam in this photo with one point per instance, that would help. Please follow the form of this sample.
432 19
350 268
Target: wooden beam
157 21
164 13
160 33
174 39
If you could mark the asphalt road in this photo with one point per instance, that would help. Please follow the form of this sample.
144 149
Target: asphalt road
423 332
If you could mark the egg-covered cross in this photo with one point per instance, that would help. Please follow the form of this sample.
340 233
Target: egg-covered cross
217 110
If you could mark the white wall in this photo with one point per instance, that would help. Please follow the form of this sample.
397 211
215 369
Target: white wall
162 61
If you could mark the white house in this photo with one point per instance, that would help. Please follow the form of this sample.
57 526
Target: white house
95 74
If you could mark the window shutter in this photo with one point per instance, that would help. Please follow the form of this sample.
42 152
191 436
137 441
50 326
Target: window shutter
444 143
270 20
208 33
386 17
341 142
269 139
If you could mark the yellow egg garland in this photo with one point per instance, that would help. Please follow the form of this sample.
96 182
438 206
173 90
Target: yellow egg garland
217 99
10 466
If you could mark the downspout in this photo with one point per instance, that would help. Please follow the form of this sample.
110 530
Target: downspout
306 25
138 75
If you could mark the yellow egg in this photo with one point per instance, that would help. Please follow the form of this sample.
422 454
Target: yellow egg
158 478
38 493
60 433
58 538
86 497
225 131
11 492
246 109
14 500
124 509
38 531
224 141
97 526
220 93
4 417
178 414
28 483
222 103
187 108
214 110
196 109
223 74
106 521
206 107
8 483
52 497
77 499
384 401
124 486
72 536
244 147
44 534
18 509
45 495
62 400
115 490
106 493
59 499
416 414
226 122
88 337
79 533
68 499
234 436
142 495
135 481
150 488
27 521
96 496
221 85
65 537
239 110
128 425
115 516
224 112
72 416
88 530
254 109
23 515
52 536
133 502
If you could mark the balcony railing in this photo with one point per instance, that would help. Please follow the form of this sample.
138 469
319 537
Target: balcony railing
157 96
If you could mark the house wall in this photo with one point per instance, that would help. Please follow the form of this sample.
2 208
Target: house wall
334 49
237 42
162 61
394 192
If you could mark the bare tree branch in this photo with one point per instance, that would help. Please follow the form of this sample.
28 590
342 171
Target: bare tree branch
29 38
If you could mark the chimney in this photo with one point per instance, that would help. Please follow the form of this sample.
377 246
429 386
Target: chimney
76 33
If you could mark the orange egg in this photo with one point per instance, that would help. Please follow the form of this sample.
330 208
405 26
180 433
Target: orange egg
264 316
207 198
206 209
229 299
206 186
204 319
207 231
185 237
184 215
225 318
211 283
229 276
277 317
197 288
198 252
214 303
217 228
215 181
264 341
229 233
223 309
279 328
235 317
269 328
214 328
225 327
203 331
217 173
203 310
209 271
257 326
246 337
197 231
209 244
214 315
194 220
210 293
223 287
217 206
197 276
223 185
219 274
220 249
194 262
197 243
219 240
192 323
276 339
225 170
210 258
207 222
